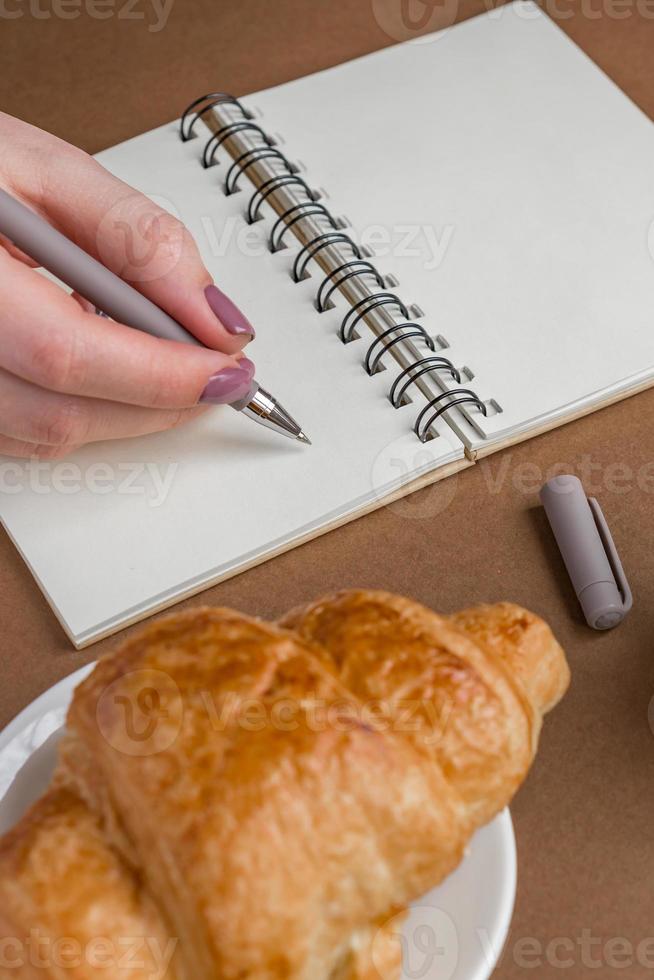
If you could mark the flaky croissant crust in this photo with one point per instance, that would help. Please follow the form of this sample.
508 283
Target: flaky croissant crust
303 783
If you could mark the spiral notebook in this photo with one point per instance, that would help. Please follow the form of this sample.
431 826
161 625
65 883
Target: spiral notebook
444 248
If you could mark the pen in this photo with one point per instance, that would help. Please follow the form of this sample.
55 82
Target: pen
120 301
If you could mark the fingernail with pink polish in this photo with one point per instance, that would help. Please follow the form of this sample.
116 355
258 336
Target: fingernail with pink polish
247 365
227 386
228 313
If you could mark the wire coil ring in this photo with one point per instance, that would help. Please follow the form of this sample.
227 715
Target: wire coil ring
307 253
375 300
352 269
217 98
460 396
425 365
304 209
269 187
242 163
224 133
413 330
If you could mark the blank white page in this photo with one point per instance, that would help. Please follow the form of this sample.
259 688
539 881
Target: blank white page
120 529
500 140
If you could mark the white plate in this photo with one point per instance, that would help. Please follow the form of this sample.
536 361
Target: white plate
456 932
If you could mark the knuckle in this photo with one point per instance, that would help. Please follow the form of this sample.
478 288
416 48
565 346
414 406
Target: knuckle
66 426
175 419
48 360
146 241
47 452
170 228
163 383
169 238
54 361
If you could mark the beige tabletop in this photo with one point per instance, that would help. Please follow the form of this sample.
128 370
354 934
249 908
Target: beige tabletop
584 820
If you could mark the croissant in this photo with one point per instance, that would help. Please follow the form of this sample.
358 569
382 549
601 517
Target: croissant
470 689
253 801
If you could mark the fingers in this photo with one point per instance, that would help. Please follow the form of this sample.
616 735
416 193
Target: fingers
48 339
125 230
69 377
53 424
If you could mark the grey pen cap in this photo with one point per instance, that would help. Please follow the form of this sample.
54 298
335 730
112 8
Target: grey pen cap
588 550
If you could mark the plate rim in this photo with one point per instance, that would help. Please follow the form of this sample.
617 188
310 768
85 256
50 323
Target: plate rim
33 709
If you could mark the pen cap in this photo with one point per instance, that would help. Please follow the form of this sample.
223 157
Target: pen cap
588 551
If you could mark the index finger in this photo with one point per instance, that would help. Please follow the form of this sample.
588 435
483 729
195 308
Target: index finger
48 339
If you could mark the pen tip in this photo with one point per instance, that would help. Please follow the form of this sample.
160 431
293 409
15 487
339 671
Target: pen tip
303 438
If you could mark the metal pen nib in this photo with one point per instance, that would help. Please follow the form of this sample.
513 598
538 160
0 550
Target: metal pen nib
263 408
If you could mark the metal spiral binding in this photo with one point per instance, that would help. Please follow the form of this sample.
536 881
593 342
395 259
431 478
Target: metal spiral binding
212 100
365 306
380 309
423 366
459 396
356 267
290 217
250 157
225 133
263 193
402 332
308 252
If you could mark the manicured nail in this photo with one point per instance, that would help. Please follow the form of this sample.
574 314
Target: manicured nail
227 386
247 365
228 313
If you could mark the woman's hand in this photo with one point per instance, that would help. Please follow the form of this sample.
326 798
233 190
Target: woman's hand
69 377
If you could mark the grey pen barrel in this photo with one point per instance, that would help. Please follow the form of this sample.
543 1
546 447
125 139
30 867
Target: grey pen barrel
86 275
